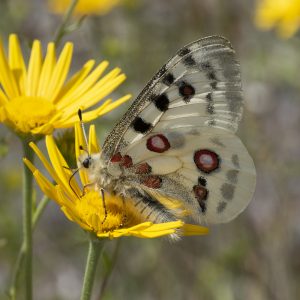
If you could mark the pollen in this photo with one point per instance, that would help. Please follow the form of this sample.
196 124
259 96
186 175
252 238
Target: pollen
26 113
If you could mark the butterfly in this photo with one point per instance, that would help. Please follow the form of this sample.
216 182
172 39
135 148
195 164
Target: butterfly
174 153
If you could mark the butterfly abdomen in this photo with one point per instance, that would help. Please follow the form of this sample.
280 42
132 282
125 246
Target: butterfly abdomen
148 207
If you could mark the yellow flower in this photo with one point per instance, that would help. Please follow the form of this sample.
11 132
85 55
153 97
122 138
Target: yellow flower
111 218
282 14
84 7
37 99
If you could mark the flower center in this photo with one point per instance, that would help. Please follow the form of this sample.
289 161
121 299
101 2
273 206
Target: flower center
26 113
91 211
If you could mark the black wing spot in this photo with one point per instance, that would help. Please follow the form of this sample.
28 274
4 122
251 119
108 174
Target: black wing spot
168 79
221 207
227 191
202 181
232 176
235 160
189 61
186 90
212 122
213 85
140 125
209 97
184 51
162 102
206 66
210 108
211 75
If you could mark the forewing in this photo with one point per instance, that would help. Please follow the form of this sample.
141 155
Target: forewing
200 86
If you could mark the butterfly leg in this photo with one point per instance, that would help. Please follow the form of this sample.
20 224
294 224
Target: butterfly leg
104 205
85 188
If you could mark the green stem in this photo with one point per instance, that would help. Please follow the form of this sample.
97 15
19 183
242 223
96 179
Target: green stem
27 220
62 28
95 247
17 268
110 269
39 210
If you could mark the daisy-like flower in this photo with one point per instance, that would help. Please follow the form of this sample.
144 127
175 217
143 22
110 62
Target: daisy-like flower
84 7
85 206
284 15
37 99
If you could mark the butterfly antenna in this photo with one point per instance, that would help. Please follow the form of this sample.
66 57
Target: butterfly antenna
83 129
104 205
70 179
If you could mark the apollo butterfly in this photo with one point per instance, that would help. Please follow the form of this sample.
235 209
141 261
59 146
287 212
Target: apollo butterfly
177 141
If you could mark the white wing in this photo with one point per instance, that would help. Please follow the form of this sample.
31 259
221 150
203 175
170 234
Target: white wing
177 139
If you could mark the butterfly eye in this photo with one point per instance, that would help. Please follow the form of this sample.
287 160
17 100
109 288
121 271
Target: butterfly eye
86 162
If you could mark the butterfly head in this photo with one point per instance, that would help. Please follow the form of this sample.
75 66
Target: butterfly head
87 162
93 165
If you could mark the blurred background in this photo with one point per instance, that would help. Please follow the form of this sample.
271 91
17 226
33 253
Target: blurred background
256 256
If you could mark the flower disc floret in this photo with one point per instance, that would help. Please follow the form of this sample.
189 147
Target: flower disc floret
35 113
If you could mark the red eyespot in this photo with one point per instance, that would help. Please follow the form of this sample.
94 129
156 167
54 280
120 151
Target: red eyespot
201 194
116 157
143 168
206 160
126 161
153 182
158 143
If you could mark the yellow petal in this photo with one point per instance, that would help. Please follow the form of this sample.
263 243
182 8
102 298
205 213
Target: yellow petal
47 70
60 166
34 69
105 108
190 229
153 234
82 87
7 78
115 104
75 80
3 116
48 167
16 61
46 186
94 146
3 98
80 141
95 94
60 72
86 116
99 90
44 129
164 226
